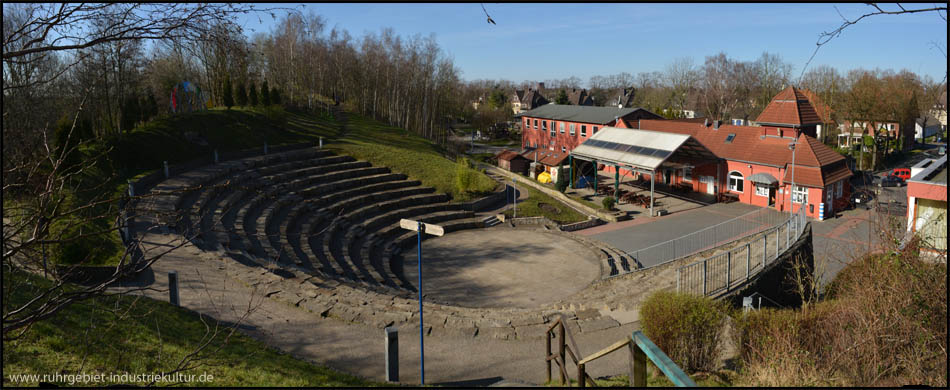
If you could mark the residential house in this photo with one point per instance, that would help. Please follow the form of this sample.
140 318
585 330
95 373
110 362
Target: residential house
927 206
623 98
927 126
527 100
579 97
851 131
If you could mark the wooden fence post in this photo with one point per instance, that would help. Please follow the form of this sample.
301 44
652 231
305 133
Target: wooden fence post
748 259
581 376
638 374
560 351
547 355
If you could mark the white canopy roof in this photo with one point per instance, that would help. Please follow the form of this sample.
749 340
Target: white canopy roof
643 149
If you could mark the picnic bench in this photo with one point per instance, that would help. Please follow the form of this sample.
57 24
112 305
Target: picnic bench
728 198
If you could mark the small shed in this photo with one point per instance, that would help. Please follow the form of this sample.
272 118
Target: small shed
513 162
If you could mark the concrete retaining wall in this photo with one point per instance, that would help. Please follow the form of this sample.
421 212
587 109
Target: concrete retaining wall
776 281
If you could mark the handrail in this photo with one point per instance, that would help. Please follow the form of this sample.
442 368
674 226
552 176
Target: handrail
601 353
646 347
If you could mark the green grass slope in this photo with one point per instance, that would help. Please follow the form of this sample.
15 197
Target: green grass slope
136 335
380 144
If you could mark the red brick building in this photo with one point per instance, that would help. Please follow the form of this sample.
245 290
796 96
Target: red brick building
758 166
560 128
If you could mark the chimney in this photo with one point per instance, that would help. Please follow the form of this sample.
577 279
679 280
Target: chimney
716 124
706 122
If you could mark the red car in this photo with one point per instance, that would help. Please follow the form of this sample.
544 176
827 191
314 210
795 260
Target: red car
903 173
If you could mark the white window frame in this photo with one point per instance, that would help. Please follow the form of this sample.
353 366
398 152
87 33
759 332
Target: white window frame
688 174
561 126
535 124
544 125
583 130
553 130
761 189
572 129
736 186
563 149
799 194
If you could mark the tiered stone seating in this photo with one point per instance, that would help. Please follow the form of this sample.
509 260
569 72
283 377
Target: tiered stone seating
308 210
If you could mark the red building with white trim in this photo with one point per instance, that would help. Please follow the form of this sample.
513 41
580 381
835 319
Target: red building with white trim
560 128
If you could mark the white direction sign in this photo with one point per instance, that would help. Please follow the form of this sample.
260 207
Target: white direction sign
409 224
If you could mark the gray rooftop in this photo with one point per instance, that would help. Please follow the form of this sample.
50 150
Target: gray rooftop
935 172
588 114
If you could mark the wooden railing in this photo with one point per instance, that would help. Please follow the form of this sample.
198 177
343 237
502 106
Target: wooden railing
639 346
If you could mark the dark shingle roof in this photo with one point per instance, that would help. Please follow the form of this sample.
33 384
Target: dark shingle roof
587 114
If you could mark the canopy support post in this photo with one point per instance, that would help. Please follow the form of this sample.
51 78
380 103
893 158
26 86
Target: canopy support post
616 180
570 161
595 177
652 179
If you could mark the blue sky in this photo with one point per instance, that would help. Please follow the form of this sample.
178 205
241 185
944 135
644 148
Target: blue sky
554 41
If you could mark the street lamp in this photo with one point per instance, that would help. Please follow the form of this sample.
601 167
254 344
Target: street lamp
434 230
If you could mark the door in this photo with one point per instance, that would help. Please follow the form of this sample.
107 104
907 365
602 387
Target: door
771 196
708 180
667 176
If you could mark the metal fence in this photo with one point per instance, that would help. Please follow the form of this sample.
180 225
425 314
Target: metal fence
721 272
708 238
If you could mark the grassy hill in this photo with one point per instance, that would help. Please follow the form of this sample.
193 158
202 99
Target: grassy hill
137 335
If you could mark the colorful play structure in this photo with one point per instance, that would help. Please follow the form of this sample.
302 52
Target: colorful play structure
187 96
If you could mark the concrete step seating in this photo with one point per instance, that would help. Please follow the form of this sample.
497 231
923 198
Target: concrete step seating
333 240
308 211
373 244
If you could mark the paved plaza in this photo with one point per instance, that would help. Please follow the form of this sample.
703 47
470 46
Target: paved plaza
502 267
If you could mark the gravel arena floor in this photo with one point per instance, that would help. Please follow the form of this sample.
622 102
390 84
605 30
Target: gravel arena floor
502 267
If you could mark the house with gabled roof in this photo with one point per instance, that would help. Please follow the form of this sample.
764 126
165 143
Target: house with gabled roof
759 166
791 109
526 100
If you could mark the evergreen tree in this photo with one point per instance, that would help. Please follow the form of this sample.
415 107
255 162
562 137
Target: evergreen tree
265 94
130 113
561 97
275 96
228 93
241 95
252 95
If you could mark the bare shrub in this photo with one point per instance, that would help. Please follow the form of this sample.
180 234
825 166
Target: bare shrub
885 324
686 327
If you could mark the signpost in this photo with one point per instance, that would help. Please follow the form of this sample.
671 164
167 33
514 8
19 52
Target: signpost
435 230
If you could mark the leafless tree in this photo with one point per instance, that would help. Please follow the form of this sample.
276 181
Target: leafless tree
827 36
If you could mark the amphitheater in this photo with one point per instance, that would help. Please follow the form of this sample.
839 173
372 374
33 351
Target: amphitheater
320 233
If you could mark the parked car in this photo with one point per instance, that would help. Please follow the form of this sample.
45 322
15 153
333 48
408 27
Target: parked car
861 178
861 197
903 173
891 181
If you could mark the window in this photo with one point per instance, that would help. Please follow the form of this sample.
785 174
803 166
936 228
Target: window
544 125
799 194
688 174
527 123
572 129
731 137
594 130
536 124
563 150
735 181
839 189
562 127
761 190
583 130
